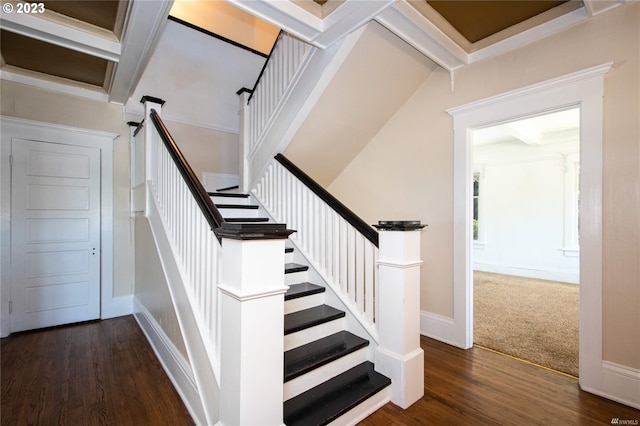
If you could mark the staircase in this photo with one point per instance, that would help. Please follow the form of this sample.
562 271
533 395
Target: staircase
328 376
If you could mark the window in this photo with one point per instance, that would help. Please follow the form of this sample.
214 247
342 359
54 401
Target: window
476 205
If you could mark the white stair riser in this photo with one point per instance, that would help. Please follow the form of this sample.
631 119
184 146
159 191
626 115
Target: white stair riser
288 258
295 305
303 337
296 277
320 375
230 200
226 213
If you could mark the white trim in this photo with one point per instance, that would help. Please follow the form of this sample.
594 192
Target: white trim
438 327
584 89
398 265
61 30
319 32
533 89
55 133
118 307
246 296
173 362
142 29
406 22
541 273
55 84
529 36
168 118
621 384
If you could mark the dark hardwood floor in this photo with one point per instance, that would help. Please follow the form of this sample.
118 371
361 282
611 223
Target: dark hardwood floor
105 373
95 373
480 387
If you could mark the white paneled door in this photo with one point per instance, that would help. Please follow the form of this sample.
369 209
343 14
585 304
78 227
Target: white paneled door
55 244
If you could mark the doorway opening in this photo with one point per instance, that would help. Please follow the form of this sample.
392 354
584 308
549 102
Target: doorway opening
525 249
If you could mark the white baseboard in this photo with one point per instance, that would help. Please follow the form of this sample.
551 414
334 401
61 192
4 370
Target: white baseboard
172 361
117 307
619 383
438 327
520 271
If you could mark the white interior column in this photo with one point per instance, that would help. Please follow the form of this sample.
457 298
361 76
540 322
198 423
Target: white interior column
399 355
252 342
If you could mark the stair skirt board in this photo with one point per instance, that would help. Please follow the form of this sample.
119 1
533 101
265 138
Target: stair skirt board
173 363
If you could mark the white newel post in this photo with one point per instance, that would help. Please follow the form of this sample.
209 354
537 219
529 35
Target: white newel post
245 140
399 355
252 340
150 134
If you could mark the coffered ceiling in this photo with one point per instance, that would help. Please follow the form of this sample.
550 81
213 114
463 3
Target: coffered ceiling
80 47
99 48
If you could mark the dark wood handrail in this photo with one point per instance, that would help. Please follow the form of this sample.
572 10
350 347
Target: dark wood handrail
264 67
209 210
355 221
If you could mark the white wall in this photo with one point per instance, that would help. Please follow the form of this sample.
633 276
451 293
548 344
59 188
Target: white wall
522 211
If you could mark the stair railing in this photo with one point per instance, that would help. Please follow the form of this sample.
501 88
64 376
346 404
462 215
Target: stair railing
340 245
261 105
375 274
216 268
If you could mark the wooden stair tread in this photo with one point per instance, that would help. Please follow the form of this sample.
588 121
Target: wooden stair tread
290 268
228 194
311 317
305 358
246 219
238 206
333 398
301 290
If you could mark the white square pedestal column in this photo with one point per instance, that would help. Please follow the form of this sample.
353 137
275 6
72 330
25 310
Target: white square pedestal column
399 355
252 341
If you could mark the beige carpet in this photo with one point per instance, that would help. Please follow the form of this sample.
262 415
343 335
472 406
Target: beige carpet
531 319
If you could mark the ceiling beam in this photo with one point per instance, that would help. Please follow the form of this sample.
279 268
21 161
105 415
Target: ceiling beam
523 132
143 26
407 23
319 32
54 28
596 7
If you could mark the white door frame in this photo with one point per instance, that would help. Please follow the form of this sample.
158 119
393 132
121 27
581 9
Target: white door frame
12 127
584 89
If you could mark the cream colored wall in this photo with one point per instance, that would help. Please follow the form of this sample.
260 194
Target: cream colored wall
376 78
224 19
41 105
206 150
406 170
152 290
